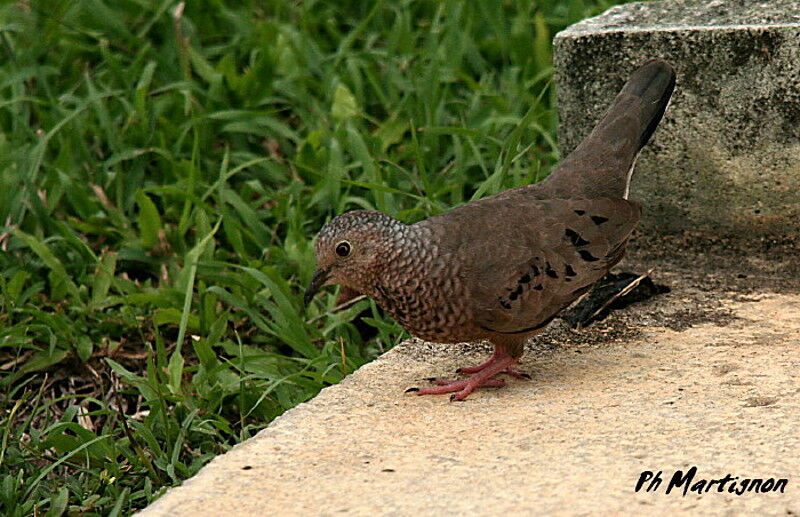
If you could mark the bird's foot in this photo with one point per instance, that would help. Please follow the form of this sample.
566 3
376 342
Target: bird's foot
456 383
461 389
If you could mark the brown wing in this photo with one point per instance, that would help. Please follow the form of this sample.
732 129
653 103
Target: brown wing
527 260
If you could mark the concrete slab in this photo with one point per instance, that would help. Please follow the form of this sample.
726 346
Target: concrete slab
707 375
726 158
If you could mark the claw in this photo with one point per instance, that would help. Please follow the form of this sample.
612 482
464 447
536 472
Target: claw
440 381
409 390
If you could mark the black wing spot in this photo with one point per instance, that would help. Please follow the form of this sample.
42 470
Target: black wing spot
575 238
580 212
524 279
598 219
504 304
549 271
538 287
513 296
535 270
588 257
569 271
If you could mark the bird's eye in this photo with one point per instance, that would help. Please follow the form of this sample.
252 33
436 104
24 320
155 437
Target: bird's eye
343 249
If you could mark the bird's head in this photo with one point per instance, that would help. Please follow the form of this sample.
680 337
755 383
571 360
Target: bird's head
353 248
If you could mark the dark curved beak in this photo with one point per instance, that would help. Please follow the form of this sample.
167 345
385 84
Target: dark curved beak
320 276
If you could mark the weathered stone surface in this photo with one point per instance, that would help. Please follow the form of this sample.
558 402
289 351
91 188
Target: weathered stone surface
726 158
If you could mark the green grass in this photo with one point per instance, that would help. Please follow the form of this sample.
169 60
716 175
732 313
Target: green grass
162 176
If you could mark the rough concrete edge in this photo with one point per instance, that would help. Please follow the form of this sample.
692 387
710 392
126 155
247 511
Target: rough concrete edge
592 30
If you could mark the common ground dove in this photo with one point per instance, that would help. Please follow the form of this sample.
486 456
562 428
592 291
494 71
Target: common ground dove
501 268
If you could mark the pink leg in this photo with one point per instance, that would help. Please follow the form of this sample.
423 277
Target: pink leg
497 364
498 354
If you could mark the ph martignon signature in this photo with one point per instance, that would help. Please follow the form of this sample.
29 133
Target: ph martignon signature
685 482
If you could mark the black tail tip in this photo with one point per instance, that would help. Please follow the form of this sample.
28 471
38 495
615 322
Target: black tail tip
654 80
657 63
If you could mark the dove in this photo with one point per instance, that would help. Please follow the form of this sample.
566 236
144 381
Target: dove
501 268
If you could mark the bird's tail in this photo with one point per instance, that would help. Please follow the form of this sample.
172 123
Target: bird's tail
602 165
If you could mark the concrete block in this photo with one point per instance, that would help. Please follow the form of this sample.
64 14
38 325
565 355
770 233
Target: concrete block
726 159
